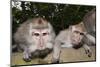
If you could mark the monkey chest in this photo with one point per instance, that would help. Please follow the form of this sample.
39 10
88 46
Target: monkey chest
66 44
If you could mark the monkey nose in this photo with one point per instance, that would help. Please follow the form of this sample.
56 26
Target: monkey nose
41 45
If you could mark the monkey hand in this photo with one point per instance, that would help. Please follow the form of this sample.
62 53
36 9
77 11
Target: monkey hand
27 57
88 52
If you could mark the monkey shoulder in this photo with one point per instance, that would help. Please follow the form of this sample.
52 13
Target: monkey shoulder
23 28
63 35
22 32
64 38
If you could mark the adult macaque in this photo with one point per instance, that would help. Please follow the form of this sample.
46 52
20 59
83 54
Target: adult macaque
35 37
89 21
71 37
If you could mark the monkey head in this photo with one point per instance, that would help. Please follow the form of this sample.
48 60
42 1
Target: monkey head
77 33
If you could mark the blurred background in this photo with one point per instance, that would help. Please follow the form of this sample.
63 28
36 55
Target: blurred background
59 15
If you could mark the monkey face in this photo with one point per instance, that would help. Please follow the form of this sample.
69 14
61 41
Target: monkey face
76 37
40 37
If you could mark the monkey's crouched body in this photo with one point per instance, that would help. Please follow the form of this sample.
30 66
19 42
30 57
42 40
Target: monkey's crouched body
35 37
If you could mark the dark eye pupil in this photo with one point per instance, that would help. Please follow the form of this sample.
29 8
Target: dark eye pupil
44 34
81 33
36 34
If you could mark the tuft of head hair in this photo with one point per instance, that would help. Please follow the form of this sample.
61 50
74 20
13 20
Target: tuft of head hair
39 23
80 26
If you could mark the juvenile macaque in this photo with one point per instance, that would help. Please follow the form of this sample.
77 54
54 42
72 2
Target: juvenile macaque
89 21
82 34
71 37
35 37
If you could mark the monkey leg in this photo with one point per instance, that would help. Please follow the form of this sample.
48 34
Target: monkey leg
56 53
26 55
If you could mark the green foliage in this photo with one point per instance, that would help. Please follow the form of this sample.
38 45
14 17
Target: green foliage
60 15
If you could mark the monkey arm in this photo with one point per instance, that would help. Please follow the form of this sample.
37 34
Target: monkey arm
91 38
56 52
87 50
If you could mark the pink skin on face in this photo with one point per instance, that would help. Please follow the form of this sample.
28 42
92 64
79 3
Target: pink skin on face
40 36
76 37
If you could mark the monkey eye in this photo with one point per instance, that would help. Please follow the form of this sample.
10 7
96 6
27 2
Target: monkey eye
36 34
76 32
81 33
44 34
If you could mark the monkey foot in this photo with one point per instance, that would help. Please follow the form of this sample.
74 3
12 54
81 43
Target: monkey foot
55 62
27 59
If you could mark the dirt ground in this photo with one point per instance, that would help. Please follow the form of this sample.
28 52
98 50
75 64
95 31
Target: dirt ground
67 55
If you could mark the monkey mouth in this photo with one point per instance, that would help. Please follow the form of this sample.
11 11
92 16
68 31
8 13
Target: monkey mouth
75 43
77 46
